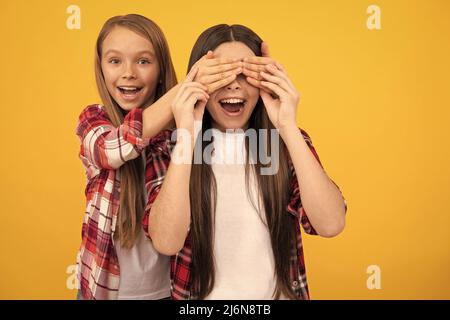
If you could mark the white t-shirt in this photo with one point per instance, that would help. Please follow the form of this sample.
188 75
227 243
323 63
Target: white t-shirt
144 273
244 260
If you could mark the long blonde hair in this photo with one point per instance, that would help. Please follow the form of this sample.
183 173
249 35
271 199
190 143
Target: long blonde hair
132 195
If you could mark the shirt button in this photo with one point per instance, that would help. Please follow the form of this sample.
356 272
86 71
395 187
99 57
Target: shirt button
295 284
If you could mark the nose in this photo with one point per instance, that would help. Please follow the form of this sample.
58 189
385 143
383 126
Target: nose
129 72
234 85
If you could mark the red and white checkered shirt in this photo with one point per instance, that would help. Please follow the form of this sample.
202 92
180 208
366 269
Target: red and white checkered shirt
158 159
104 148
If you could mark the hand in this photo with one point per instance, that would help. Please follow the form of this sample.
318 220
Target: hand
281 109
254 65
215 73
189 104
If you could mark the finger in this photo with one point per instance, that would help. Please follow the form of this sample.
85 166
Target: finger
275 71
188 92
257 84
276 80
282 74
191 74
221 83
194 97
252 81
194 84
218 61
185 85
251 74
193 90
254 67
272 68
280 66
179 91
219 76
259 60
192 100
208 55
222 68
275 88
266 97
265 49
199 109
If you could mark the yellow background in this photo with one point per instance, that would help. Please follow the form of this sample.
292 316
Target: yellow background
376 104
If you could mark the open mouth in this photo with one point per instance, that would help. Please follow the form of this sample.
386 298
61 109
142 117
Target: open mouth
233 105
129 92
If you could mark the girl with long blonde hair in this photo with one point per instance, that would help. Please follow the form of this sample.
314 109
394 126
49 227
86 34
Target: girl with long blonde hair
135 79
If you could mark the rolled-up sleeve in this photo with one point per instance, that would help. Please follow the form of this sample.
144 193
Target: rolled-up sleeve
108 147
295 206
157 164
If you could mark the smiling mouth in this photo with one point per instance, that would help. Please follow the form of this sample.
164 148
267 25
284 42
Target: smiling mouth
233 105
129 90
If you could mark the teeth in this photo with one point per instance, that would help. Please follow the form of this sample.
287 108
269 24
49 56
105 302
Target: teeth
232 101
128 88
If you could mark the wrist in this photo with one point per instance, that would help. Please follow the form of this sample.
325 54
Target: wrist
189 130
184 147
288 130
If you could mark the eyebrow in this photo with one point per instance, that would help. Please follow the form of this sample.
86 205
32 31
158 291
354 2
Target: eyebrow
138 53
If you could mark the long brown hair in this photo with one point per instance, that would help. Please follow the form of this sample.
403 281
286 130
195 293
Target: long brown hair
273 189
132 195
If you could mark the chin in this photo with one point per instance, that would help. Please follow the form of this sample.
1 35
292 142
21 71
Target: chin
128 106
230 125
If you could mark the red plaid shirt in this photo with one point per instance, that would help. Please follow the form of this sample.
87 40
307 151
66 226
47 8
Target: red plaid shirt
158 159
104 148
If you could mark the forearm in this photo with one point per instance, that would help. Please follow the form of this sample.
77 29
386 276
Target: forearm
321 199
159 115
170 213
